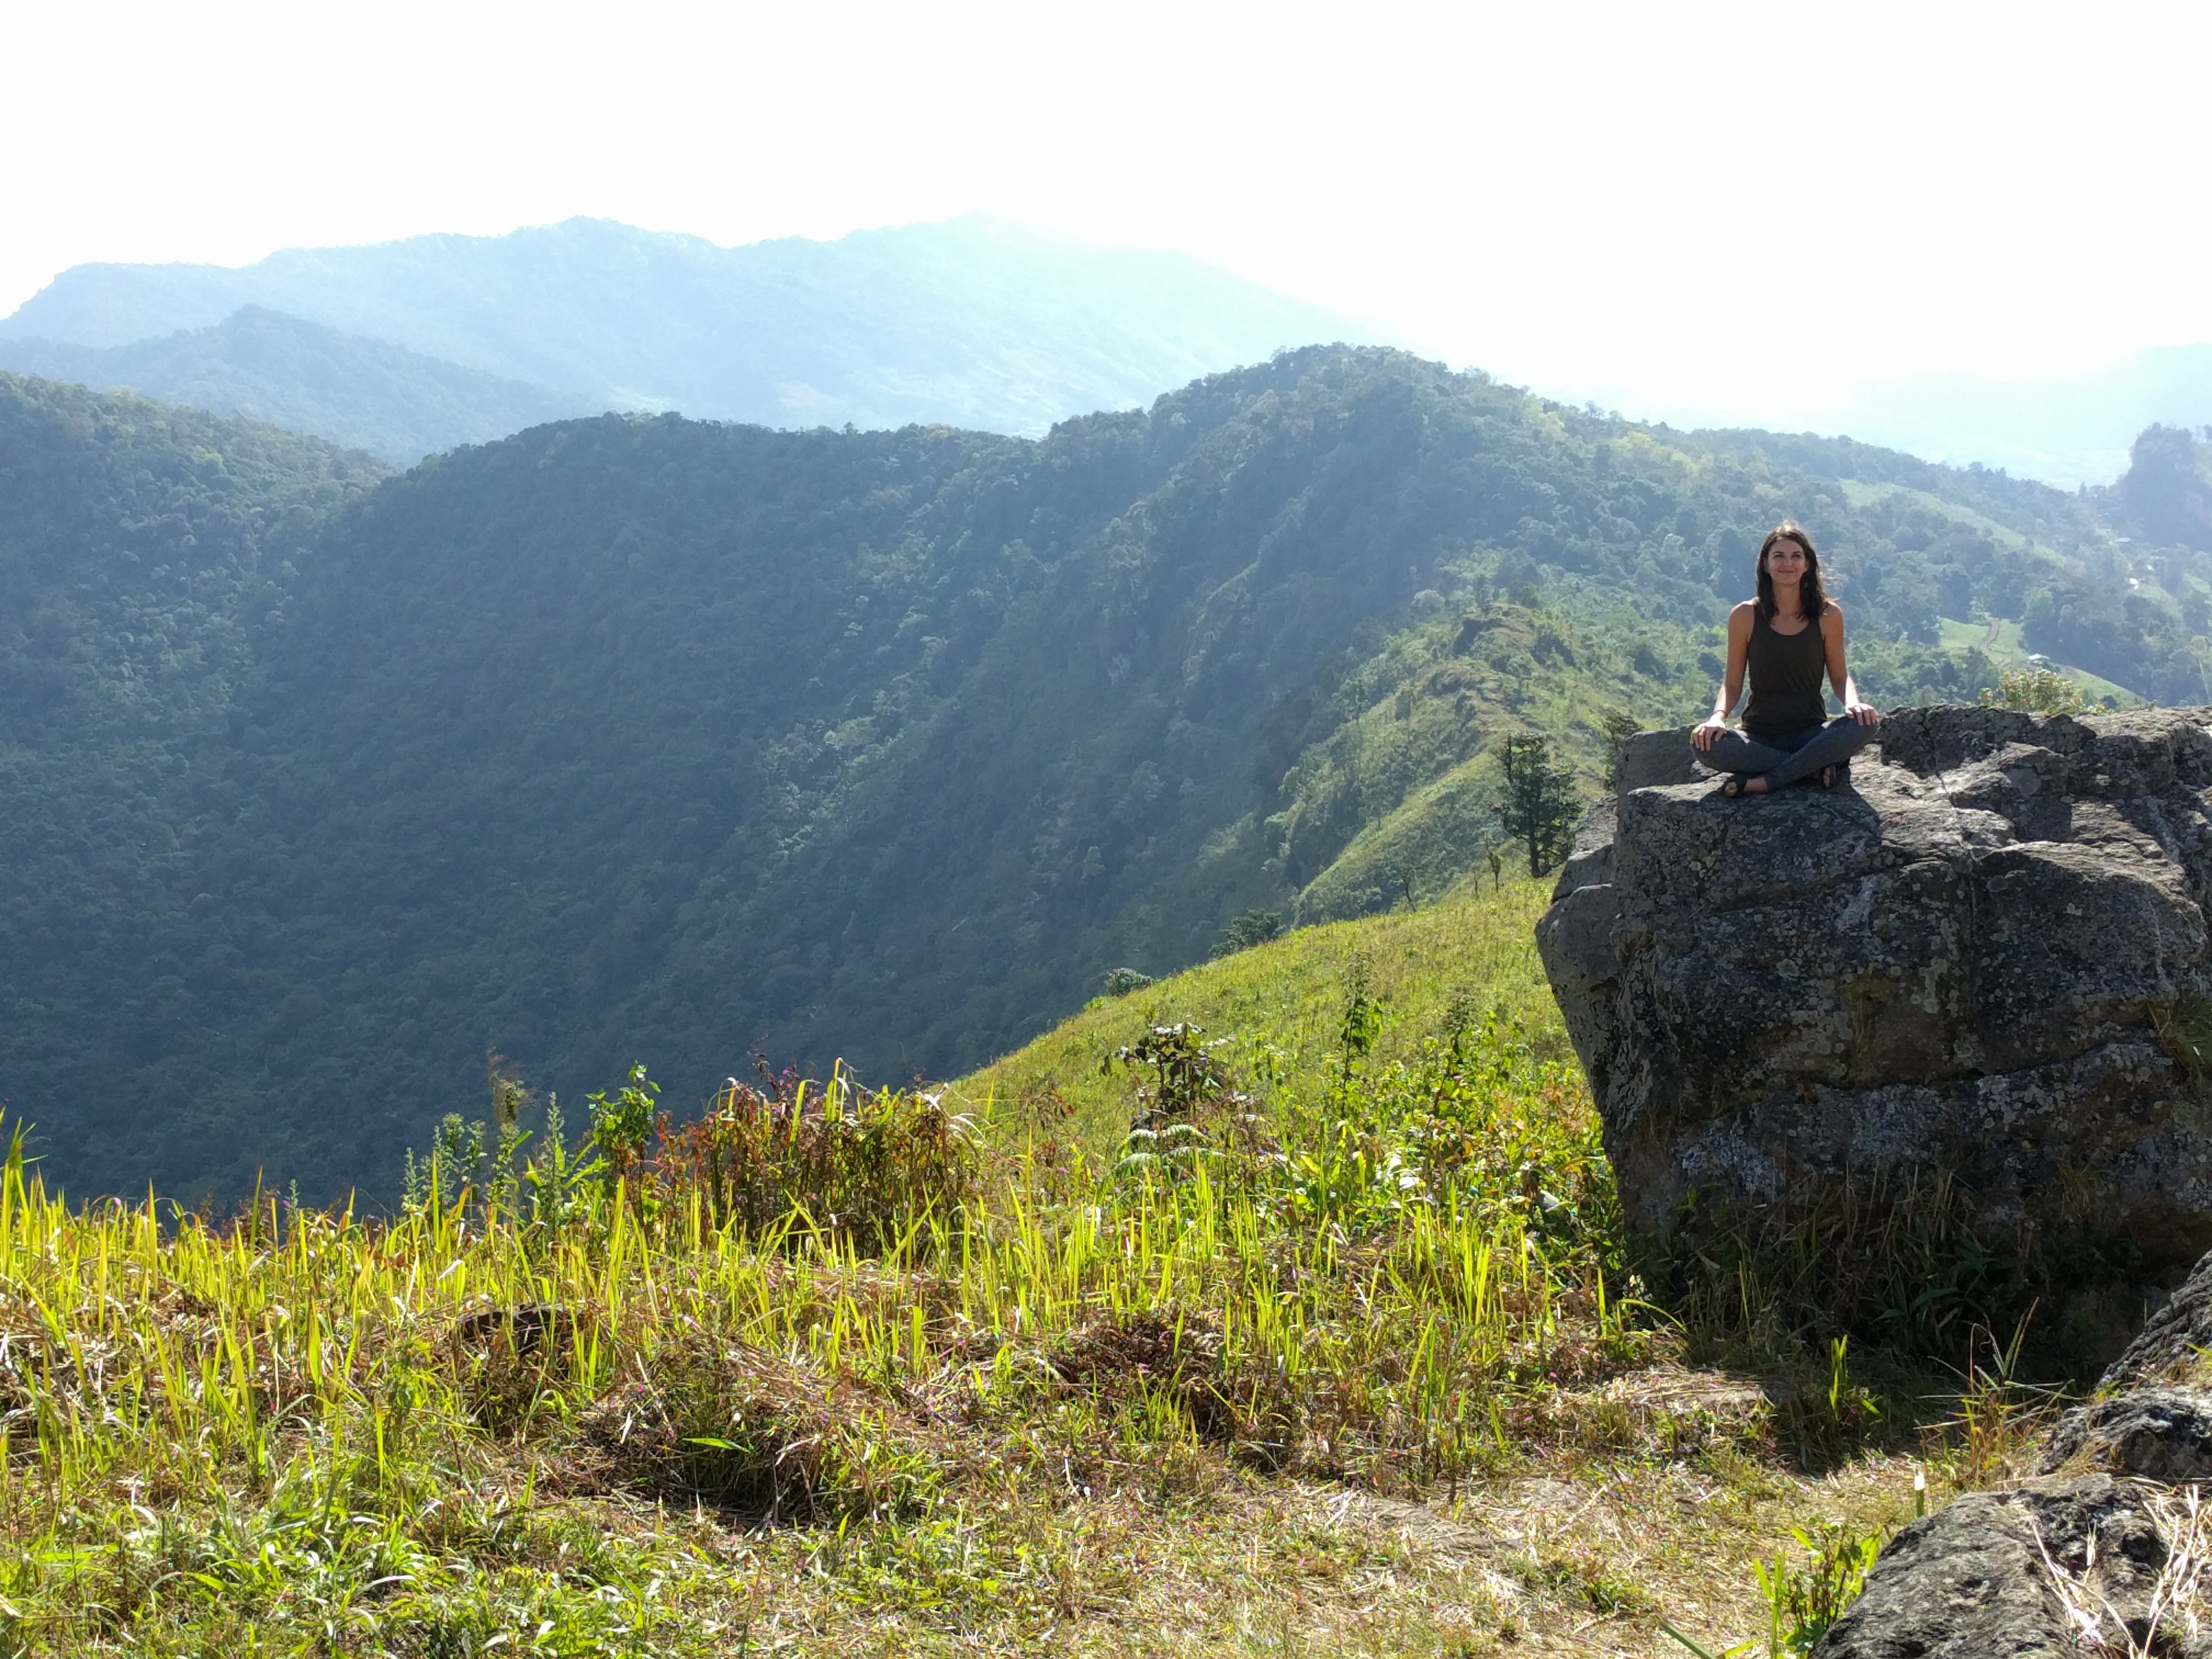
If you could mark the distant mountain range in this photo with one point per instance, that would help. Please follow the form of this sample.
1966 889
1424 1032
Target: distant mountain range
368 394
403 349
2066 430
972 322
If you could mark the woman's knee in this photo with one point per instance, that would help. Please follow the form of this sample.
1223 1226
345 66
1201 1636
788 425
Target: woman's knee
1854 736
1733 752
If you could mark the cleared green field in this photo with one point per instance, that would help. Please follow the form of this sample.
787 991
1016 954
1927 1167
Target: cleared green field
1867 495
1999 638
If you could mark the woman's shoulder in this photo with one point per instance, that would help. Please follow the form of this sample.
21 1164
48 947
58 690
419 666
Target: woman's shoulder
1744 612
1832 615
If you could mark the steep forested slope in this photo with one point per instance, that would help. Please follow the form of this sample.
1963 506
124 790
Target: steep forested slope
398 404
146 554
640 737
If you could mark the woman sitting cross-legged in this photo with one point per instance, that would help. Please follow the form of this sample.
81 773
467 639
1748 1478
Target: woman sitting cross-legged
1786 638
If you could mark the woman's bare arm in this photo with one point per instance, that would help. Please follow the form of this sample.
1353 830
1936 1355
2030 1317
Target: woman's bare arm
1839 674
1739 653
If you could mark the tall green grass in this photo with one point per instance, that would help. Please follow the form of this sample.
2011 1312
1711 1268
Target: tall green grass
870 1317
1287 997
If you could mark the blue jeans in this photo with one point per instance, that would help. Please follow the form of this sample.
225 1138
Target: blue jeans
1785 757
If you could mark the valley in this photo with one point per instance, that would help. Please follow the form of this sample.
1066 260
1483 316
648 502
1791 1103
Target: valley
642 738
838 833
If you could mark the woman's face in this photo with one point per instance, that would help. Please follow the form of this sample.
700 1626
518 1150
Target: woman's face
1786 561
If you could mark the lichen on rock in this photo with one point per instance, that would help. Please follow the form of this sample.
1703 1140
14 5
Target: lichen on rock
1969 958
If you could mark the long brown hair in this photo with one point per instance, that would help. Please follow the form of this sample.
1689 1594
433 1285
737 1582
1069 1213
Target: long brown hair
1812 598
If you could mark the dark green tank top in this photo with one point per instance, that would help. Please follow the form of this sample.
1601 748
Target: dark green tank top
1785 672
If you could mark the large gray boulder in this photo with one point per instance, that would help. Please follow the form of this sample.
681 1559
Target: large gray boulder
1982 955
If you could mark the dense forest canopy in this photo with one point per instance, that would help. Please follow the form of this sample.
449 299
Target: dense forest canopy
642 738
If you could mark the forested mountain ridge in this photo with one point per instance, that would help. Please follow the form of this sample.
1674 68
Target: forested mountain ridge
647 739
146 554
975 321
145 551
367 394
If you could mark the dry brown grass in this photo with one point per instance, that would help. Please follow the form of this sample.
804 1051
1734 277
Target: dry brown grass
1380 1390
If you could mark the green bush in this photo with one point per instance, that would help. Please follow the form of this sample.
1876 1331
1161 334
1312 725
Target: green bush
873 1169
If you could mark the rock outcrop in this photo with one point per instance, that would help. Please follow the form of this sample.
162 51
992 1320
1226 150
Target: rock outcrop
1985 954
1999 1573
2090 1537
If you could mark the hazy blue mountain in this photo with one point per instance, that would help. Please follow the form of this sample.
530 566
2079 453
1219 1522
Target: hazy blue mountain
368 394
2068 430
973 322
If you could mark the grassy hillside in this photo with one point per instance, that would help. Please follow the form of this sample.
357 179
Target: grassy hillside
1357 1370
1284 1000
654 738
1999 641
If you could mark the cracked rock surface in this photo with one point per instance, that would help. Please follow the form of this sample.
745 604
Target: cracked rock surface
1969 958
1991 1573
1980 1578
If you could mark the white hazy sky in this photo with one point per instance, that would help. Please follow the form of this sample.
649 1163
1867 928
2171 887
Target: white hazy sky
1682 209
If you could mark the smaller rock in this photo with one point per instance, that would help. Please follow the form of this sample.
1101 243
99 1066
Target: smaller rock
2173 1340
2158 1434
1981 1575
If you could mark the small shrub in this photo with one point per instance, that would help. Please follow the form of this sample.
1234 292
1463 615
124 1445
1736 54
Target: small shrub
1803 1602
445 1179
622 1125
552 1193
1251 929
1188 1111
2035 691
1122 981
1187 1074
871 1169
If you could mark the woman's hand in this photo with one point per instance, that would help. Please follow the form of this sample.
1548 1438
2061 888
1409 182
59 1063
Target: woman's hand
1864 713
1702 738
